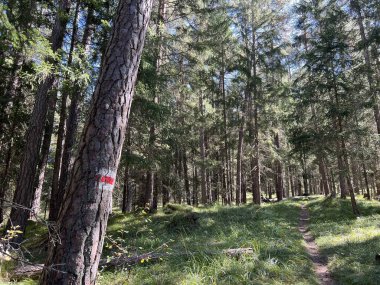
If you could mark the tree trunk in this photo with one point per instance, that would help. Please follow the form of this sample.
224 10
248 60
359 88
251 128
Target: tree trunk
44 155
72 119
279 178
82 219
256 159
322 172
203 156
186 178
55 199
239 160
152 136
127 193
366 181
24 189
4 182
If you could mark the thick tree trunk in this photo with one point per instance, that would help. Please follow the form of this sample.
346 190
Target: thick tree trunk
82 219
24 189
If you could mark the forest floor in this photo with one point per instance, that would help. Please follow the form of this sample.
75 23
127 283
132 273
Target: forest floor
190 244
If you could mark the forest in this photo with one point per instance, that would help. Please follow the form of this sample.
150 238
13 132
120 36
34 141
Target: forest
189 142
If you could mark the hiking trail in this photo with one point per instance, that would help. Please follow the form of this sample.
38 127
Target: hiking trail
319 261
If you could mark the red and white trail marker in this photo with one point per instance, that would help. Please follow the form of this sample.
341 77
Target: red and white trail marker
106 179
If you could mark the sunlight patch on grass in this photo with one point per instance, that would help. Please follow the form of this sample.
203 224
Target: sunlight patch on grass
349 242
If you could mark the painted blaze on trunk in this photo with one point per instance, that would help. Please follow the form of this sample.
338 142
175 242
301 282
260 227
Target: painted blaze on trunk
84 213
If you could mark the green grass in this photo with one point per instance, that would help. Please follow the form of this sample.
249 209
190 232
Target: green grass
196 251
350 243
193 240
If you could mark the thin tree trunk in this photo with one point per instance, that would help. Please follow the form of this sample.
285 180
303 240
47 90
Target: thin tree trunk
4 182
127 192
44 155
55 199
82 220
256 161
279 178
239 160
366 181
322 172
203 156
186 178
72 119
152 136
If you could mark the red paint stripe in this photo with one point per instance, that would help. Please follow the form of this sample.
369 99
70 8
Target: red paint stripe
107 179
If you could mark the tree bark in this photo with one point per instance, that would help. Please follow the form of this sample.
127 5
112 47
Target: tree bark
324 180
24 189
203 156
72 120
4 183
255 165
44 155
239 160
279 174
186 178
152 136
55 200
82 219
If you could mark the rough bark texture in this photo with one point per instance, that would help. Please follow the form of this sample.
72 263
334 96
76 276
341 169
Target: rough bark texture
82 219
24 189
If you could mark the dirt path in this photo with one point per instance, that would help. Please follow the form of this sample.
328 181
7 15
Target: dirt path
320 262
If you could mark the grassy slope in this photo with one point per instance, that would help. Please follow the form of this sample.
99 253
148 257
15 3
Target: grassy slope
349 242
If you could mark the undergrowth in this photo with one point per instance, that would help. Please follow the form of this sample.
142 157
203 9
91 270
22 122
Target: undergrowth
191 244
195 239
